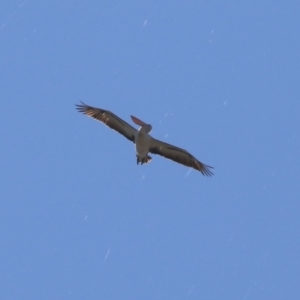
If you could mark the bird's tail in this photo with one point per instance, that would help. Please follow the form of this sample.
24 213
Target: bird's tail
144 160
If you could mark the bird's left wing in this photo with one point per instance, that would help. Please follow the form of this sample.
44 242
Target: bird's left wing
179 155
109 119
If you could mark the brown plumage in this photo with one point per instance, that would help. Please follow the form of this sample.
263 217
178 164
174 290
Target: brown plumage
143 140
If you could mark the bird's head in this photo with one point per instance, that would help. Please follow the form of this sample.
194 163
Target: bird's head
145 126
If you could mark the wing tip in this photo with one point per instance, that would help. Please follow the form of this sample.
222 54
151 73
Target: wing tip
82 107
205 170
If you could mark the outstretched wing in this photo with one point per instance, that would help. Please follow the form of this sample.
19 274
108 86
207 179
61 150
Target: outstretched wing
109 119
179 155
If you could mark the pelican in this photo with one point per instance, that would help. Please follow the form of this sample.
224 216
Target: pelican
144 143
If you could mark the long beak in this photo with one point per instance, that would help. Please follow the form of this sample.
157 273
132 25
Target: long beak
138 121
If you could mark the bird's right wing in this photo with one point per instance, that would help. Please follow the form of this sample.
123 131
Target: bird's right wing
109 119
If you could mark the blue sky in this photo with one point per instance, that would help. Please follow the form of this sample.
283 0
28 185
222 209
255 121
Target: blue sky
79 218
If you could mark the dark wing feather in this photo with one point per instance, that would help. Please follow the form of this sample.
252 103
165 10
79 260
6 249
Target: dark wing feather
109 119
179 155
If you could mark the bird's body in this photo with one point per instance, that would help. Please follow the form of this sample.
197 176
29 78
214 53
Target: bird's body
144 143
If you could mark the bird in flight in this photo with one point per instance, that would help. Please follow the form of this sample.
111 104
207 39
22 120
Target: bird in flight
144 142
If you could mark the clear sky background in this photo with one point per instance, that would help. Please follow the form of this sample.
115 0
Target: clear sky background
80 220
